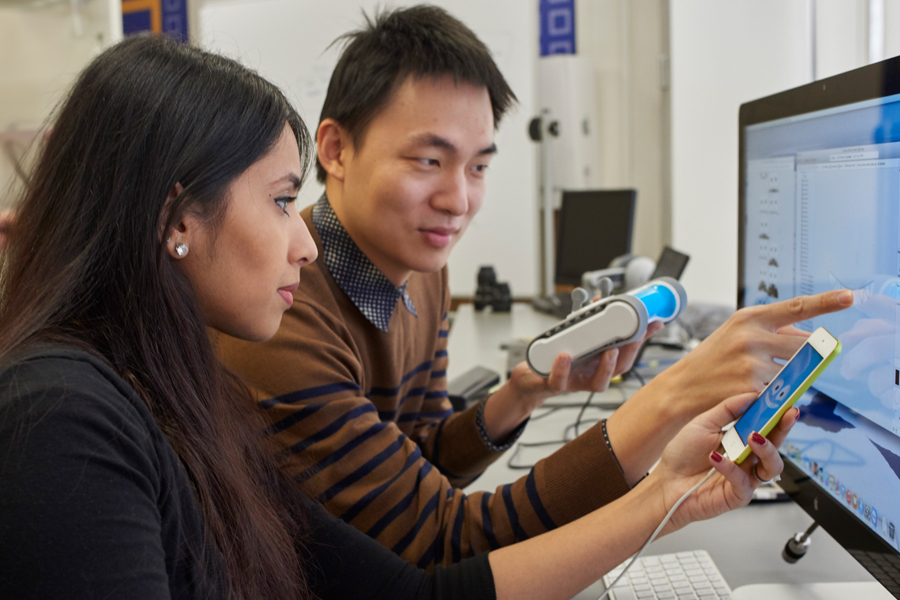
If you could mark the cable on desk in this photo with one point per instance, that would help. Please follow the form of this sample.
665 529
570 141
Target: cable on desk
521 445
581 414
582 407
637 375
579 420
574 427
549 410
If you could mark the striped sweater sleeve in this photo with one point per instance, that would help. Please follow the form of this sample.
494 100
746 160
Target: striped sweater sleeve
453 443
370 474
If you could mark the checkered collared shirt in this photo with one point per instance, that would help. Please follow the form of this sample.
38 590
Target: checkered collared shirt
368 288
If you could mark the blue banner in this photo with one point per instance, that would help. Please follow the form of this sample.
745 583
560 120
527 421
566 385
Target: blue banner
557 27
159 16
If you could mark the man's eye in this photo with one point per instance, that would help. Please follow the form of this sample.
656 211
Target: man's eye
429 162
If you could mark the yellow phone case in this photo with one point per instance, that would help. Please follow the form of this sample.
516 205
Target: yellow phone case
793 398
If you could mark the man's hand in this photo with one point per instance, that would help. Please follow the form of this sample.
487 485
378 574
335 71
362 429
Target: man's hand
526 391
739 356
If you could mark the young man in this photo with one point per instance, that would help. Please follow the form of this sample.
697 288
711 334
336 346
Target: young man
354 384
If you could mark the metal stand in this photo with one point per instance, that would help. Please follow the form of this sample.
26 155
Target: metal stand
538 129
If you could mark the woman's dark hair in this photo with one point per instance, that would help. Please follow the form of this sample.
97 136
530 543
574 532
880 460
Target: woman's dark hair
86 264
420 41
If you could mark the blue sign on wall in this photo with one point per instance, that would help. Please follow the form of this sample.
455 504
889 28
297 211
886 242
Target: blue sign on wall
557 27
159 16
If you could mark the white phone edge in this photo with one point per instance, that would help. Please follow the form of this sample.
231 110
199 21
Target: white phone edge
822 342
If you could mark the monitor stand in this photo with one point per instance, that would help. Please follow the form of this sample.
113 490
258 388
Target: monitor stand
870 590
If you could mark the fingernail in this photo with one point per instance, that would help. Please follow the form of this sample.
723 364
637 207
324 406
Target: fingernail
758 439
846 297
716 457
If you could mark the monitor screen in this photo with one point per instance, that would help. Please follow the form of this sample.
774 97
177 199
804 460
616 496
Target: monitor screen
819 202
594 227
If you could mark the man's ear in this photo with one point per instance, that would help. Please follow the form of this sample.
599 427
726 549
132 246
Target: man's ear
334 147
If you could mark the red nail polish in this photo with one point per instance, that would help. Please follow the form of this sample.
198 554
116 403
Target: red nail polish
716 457
758 439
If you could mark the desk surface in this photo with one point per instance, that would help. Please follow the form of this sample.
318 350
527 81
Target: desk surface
745 544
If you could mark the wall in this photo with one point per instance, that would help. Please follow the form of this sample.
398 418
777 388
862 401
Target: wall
42 49
286 40
627 40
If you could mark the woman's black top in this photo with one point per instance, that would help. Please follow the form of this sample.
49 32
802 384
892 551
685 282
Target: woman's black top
94 503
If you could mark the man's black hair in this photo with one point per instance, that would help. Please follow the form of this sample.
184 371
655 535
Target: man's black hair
420 41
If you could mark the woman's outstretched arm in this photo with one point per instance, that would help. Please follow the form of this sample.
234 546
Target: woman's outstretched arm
562 562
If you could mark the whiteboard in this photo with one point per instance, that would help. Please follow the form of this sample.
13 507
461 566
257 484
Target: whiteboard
287 42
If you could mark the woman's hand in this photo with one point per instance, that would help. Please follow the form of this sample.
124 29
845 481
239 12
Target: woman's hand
688 457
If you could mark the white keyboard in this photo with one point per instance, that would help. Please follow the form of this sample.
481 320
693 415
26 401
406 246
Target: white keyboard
681 576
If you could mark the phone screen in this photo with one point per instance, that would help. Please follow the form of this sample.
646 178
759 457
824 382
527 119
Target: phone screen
773 397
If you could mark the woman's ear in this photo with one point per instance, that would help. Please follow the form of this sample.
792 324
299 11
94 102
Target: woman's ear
334 147
177 238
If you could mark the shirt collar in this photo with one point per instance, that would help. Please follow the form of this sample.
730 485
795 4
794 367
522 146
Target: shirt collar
367 287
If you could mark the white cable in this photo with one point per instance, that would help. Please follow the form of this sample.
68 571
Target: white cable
656 532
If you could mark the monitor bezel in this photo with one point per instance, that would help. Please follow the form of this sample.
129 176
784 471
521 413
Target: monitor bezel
871 82
629 196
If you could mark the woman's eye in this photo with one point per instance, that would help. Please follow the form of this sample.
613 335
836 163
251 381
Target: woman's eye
283 201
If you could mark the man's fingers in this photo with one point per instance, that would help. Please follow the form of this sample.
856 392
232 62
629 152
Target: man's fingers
605 370
559 373
801 308
652 328
757 357
791 330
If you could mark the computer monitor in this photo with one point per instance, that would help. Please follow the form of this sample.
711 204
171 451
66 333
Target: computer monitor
671 263
819 202
594 227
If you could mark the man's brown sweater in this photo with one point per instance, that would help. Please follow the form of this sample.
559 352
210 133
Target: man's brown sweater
365 422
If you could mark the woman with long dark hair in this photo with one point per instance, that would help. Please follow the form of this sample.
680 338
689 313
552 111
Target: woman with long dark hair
131 463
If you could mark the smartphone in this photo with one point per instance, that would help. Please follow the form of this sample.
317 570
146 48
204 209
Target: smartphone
786 387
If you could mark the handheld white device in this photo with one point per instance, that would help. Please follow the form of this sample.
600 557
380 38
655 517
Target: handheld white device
782 392
607 323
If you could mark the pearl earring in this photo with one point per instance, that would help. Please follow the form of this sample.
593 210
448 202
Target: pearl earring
181 250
